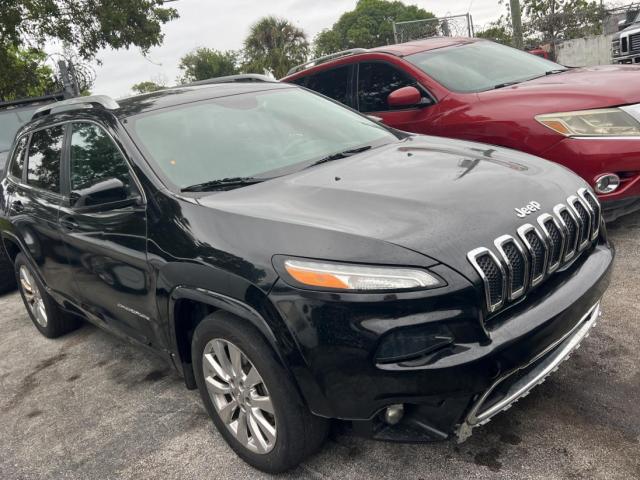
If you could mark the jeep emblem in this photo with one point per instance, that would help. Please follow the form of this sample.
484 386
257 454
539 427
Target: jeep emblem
527 209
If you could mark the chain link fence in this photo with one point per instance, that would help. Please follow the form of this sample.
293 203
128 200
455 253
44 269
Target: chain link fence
453 26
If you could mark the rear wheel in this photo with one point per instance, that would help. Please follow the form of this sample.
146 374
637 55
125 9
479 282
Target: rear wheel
251 397
44 312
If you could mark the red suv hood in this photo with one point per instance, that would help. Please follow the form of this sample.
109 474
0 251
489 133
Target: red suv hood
575 89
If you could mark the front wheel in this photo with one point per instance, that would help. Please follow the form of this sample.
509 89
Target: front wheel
251 397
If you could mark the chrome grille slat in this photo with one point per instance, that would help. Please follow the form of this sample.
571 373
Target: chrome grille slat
555 239
536 246
494 301
570 226
524 261
582 215
515 259
593 205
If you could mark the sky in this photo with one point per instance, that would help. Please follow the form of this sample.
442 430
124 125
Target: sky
223 25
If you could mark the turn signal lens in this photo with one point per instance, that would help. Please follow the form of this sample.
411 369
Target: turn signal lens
356 277
606 122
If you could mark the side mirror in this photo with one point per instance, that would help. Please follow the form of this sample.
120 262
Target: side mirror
107 191
406 97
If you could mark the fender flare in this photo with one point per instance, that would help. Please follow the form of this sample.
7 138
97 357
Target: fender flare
222 302
285 348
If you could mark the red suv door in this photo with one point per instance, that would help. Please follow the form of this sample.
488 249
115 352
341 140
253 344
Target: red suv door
376 79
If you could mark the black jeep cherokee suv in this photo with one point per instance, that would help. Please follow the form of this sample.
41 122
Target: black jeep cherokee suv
298 262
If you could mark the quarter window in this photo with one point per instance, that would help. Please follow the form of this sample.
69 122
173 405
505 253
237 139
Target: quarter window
333 83
43 164
95 158
376 81
17 163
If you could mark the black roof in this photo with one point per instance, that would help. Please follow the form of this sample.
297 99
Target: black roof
25 102
179 95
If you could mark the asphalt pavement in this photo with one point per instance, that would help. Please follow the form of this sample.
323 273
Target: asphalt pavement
90 406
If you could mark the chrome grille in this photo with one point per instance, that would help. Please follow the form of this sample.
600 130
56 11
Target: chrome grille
594 206
584 219
534 244
526 260
517 265
493 276
570 228
634 41
555 240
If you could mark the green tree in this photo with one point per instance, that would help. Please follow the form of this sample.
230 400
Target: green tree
203 63
369 25
275 45
498 31
87 25
24 74
562 19
147 86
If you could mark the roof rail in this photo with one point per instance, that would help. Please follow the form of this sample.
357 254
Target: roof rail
91 101
245 77
326 58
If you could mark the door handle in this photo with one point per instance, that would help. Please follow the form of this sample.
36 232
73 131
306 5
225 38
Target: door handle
69 224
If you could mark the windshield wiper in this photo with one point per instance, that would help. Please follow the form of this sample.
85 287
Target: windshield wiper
339 155
550 72
222 183
505 84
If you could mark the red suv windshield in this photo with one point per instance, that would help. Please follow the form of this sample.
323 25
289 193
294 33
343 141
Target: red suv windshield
481 66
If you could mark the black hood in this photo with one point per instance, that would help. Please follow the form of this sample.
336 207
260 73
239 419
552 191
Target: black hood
432 195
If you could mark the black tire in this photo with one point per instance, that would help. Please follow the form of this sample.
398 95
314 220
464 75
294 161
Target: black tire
7 275
299 432
58 322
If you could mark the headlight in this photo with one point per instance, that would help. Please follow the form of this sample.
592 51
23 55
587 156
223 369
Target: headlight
609 122
357 277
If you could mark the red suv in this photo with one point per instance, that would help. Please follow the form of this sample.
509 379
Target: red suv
587 119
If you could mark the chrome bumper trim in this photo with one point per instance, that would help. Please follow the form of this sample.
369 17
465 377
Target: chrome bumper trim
521 388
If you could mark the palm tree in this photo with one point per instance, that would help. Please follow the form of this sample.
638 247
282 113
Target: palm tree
274 45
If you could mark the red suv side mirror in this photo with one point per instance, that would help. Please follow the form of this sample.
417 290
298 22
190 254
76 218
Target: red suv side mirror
405 97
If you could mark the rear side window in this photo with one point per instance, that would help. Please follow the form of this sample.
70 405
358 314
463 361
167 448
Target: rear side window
17 162
43 164
376 81
333 83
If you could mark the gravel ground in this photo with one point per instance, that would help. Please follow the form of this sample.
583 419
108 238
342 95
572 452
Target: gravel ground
88 406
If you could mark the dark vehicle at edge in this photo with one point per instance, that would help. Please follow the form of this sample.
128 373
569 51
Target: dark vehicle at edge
297 262
625 45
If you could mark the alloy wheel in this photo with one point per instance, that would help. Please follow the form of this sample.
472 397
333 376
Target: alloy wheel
33 296
239 395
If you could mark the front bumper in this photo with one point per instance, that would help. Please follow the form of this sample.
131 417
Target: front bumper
445 392
592 157
517 384
627 59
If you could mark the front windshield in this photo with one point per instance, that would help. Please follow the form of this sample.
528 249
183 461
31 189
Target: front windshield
11 120
481 66
257 134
